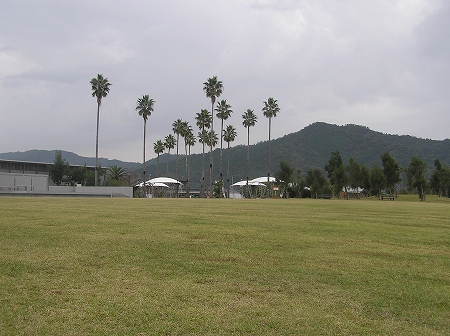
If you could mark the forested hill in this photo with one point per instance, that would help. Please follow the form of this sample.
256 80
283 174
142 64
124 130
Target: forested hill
312 146
306 149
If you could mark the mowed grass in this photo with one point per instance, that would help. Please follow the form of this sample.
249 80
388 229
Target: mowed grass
224 267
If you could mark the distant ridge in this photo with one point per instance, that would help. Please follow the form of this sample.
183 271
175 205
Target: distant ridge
306 149
47 156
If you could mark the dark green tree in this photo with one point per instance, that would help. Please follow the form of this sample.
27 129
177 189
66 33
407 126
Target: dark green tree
354 175
337 173
299 185
116 176
365 179
284 177
391 171
59 169
440 179
80 175
100 89
415 174
377 180
316 182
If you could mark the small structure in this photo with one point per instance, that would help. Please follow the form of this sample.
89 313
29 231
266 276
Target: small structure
256 187
162 186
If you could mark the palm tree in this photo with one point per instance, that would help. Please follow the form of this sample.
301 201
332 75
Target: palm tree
169 143
203 121
190 140
213 88
158 147
203 138
186 132
177 127
249 120
145 109
223 113
100 89
229 134
116 175
270 111
212 139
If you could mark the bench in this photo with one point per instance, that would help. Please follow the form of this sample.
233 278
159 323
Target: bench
387 197
325 196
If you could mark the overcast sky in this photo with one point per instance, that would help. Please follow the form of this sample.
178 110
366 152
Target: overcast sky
383 64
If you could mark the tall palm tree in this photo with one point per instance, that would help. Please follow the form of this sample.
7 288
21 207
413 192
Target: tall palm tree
270 111
212 139
145 107
177 128
100 89
249 120
213 88
169 143
190 140
159 148
229 135
223 113
203 138
203 119
186 132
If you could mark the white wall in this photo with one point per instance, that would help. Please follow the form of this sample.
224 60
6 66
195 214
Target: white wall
24 182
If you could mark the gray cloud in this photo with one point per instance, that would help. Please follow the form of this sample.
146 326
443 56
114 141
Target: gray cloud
381 64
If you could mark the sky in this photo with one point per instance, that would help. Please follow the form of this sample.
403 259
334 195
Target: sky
382 64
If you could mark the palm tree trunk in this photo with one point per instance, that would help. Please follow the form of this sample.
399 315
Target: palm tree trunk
96 145
248 159
167 167
188 189
268 162
221 146
228 172
176 165
203 171
186 159
211 181
143 162
157 163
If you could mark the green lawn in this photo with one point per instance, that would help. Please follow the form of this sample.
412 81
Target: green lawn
224 267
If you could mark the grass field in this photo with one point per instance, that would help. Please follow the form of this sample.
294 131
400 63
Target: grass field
224 267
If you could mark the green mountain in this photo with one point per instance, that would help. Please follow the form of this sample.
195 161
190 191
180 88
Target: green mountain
311 148
306 149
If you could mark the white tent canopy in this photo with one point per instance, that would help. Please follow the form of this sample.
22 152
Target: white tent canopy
263 179
243 183
160 184
164 180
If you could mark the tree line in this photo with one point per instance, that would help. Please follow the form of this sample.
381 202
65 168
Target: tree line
358 180
213 89
61 173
